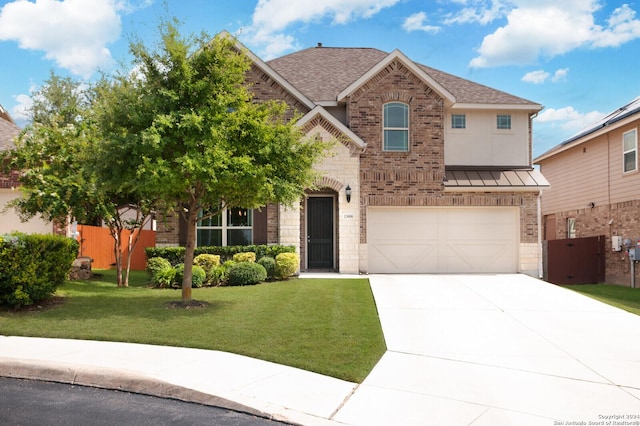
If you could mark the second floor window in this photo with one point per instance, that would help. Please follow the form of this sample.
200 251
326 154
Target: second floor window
504 121
629 151
396 127
458 121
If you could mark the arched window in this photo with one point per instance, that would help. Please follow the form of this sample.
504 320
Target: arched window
396 127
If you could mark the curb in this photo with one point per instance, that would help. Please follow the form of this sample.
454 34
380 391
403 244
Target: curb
117 380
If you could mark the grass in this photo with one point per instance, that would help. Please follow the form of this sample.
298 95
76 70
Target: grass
329 326
621 297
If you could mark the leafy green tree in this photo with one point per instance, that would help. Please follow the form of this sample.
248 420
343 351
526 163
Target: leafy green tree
204 143
64 177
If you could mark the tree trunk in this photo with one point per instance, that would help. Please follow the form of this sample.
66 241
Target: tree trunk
189 253
116 233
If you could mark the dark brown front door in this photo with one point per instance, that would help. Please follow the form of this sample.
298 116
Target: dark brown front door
320 232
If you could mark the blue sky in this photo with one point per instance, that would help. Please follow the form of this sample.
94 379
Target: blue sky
578 58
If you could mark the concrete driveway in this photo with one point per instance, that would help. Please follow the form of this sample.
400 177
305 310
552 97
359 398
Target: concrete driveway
497 350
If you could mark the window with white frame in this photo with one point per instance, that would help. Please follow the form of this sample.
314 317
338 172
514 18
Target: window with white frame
571 227
396 127
231 227
503 121
458 121
630 150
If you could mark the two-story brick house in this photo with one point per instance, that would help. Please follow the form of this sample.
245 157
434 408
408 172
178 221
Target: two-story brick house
595 186
432 174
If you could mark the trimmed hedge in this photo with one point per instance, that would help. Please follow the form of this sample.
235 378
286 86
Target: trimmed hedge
175 255
33 266
246 273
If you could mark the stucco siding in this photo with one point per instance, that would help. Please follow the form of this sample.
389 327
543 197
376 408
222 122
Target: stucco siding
10 221
482 144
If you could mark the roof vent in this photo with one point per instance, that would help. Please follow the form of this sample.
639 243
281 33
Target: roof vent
319 44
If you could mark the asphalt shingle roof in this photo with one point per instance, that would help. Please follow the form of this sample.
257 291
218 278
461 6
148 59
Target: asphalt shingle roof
321 73
8 133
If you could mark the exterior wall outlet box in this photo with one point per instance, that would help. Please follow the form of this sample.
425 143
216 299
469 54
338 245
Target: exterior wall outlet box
616 243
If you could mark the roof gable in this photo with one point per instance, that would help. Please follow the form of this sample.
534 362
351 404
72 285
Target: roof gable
396 55
320 116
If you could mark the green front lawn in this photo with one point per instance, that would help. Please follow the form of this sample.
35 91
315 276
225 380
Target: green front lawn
621 297
329 326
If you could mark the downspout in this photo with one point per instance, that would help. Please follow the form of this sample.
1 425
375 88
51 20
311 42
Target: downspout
540 254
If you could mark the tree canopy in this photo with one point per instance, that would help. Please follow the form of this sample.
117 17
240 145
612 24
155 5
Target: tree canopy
200 141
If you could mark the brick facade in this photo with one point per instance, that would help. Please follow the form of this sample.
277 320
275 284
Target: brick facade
625 222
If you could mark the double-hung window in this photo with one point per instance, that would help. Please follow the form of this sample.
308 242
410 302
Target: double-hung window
231 227
630 151
503 121
396 126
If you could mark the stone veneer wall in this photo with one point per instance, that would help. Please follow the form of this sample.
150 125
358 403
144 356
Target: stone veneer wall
590 222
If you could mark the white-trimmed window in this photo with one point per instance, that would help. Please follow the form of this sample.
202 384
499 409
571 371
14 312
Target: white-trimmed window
503 121
396 127
571 227
458 121
231 227
630 151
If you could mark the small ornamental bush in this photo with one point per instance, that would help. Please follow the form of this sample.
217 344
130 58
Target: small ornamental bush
269 264
33 266
286 265
164 278
246 273
208 262
244 257
156 264
197 276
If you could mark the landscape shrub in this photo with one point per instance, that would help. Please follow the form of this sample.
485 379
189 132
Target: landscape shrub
156 264
175 255
164 278
247 256
269 264
208 262
33 266
197 276
246 273
286 265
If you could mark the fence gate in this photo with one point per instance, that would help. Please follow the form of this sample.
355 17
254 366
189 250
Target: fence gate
574 260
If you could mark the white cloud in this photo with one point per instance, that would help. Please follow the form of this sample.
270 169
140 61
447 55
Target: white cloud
272 17
416 22
544 28
560 75
536 77
478 11
541 76
20 112
73 33
568 118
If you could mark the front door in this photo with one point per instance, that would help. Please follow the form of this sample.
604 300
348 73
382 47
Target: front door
320 232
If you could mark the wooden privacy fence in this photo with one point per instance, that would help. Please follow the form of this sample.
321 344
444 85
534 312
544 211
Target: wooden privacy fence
574 260
97 243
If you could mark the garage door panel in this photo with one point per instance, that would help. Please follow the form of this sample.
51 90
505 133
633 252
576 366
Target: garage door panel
404 257
442 240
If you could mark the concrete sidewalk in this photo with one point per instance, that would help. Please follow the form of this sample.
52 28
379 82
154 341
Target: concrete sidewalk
461 350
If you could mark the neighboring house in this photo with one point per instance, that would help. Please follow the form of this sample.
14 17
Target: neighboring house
595 186
432 173
9 219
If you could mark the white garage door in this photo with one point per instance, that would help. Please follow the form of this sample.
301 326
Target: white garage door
443 240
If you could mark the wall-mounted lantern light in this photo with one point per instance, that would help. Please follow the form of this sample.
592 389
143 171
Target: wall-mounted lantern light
347 191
